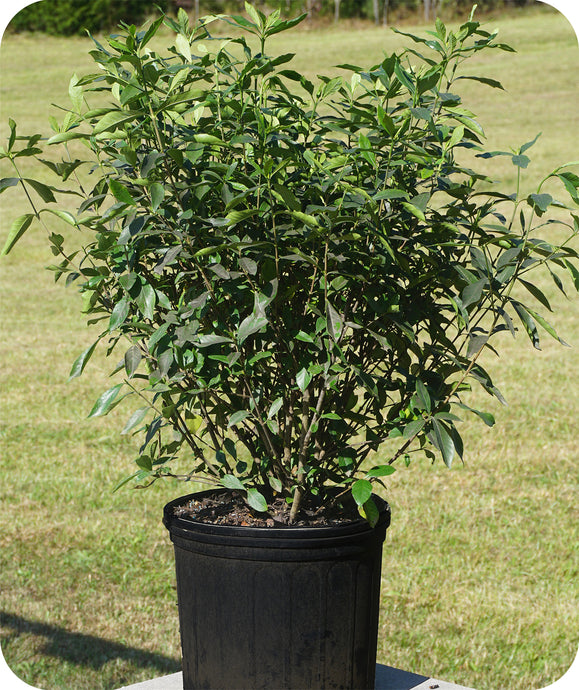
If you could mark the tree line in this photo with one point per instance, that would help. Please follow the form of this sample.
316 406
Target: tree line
67 17
378 11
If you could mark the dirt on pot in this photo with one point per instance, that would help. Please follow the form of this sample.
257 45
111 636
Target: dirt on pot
231 509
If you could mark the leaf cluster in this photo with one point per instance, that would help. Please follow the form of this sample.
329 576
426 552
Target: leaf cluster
292 273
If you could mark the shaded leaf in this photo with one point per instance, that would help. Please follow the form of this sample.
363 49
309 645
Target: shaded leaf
334 322
370 512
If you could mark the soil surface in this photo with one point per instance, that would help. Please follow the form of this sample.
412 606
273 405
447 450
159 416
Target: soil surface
231 509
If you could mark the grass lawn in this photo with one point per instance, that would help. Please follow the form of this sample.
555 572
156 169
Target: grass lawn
481 562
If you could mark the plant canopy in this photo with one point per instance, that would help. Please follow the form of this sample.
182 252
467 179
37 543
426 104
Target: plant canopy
290 273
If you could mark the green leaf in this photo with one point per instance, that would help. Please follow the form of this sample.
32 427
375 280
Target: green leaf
473 292
485 80
132 359
547 326
121 193
456 137
231 482
43 191
208 139
275 407
12 137
238 417
126 480
146 301
423 396
229 446
81 361
304 337
67 136
571 182
288 197
414 210
119 314
114 119
257 16
369 511
527 322
306 219
63 215
105 401
145 462
256 500
537 294
442 440
250 325
209 339
157 195
6 182
275 484
18 228
487 417
414 427
386 121
135 419
332 415
540 202
574 273
381 471
303 379
520 161
528 145
366 149
151 31
193 422
334 322
361 491
235 217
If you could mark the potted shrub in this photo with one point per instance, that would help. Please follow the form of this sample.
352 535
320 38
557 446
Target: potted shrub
290 275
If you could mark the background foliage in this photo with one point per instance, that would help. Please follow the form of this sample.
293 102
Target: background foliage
66 17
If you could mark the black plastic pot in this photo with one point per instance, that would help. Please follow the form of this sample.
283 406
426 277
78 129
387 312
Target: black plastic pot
277 608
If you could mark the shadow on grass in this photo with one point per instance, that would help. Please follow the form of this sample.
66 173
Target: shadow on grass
85 650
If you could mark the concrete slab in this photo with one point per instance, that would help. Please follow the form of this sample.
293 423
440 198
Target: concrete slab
387 678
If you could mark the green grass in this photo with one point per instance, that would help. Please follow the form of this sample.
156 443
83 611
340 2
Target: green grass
480 566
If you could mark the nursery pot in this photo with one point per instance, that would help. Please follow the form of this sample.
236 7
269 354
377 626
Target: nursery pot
280 607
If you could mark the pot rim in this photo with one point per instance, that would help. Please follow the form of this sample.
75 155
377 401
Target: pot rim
186 524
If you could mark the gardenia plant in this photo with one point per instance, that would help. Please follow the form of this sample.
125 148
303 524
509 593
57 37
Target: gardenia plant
289 273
